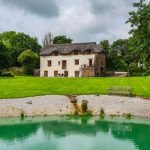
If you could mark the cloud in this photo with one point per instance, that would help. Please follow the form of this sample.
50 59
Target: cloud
46 8
82 20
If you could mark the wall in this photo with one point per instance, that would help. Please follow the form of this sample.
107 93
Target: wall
88 72
71 67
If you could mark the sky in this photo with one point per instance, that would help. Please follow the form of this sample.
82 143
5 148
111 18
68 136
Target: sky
82 20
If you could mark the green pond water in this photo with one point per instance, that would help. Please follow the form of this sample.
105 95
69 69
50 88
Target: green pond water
66 133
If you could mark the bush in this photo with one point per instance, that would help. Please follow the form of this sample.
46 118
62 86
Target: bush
102 112
135 71
127 116
84 106
7 74
76 112
29 61
147 73
16 71
22 115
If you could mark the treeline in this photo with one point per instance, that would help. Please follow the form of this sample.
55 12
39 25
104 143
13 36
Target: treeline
131 55
20 52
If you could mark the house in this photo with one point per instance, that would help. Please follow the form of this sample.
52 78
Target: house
72 60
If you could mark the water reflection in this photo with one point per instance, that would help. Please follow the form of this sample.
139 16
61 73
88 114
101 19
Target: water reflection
60 128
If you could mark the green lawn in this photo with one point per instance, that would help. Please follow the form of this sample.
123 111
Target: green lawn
31 86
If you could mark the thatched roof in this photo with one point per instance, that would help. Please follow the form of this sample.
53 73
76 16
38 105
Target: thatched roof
68 48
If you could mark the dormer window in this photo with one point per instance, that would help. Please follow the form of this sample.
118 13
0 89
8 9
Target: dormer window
76 53
88 52
55 53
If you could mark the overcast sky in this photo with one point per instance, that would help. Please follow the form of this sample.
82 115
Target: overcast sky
82 20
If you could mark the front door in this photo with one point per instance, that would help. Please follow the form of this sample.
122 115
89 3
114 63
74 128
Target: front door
77 73
55 73
64 64
45 73
65 73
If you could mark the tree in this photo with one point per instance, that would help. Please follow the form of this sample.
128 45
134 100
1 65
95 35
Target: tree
16 43
4 57
29 61
48 39
62 39
139 21
106 46
123 53
117 55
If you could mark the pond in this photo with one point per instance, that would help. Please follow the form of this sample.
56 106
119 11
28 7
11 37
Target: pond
80 133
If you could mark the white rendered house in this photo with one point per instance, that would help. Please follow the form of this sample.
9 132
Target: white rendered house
72 60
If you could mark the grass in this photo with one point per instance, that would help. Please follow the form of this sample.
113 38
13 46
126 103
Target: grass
32 86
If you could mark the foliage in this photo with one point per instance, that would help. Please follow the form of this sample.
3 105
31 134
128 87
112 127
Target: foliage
102 112
117 54
29 61
147 73
128 115
16 71
6 74
84 106
16 43
22 115
5 59
31 86
76 112
140 31
62 39
107 47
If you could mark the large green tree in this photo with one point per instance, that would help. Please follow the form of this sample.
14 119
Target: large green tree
62 39
16 43
107 47
29 60
140 31
5 58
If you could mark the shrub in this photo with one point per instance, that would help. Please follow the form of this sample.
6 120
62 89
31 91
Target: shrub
102 112
6 74
147 73
22 115
128 115
84 106
29 60
76 112
16 71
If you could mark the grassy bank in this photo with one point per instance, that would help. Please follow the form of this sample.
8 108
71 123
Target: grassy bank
32 86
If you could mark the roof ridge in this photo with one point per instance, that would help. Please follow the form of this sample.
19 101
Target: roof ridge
52 45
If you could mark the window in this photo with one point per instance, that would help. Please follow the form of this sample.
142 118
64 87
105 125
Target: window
58 62
76 61
64 64
55 53
75 52
87 52
65 73
90 62
49 63
77 73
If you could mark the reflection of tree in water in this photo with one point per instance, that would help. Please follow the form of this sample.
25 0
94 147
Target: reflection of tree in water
138 133
20 132
64 128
